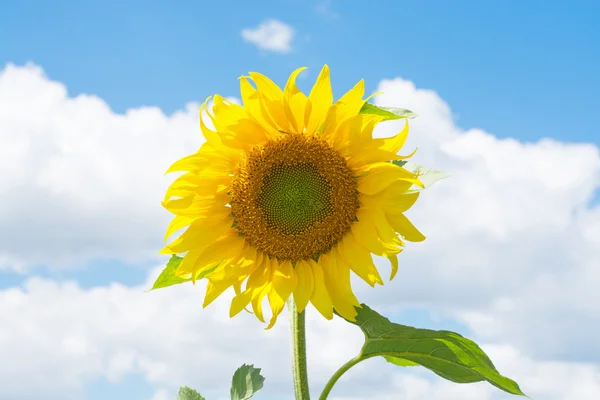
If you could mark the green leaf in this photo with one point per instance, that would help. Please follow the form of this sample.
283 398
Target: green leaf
399 163
426 175
246 381
446 353
168 278
389 113
401 362
186 393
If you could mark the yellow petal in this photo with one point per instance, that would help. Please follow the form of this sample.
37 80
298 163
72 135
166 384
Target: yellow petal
192 265
254 108
246 131
226 113
393 202
360 260
394 261
272 97
214 290
193 162
404 227
246 264
321 98
381 175
385 231
237 287
230 274
199 234
365 232
277 303
178 223
266 86
320 298
352 101
193 205
354 95
364 126
210 135
395 143
337 131
337 280
285 279
294 102
306 284
226 247
284 283
394 199
239 302
257 300
257 281
201 185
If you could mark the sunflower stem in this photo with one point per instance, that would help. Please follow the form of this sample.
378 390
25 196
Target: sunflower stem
297 327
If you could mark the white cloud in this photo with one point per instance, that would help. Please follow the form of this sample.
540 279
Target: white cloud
60 337
162 394
512 251
271 35
81 181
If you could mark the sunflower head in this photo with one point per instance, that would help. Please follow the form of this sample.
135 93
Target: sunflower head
288 195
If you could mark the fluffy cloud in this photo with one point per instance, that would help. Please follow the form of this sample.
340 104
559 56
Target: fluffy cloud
270 35
513 241
60 337
81 181
513 251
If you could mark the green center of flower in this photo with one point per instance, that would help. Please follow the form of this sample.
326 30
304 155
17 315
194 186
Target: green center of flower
294 197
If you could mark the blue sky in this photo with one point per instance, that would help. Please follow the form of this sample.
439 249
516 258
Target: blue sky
516 69
520 69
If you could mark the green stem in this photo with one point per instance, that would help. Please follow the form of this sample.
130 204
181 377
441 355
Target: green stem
299 344
332 381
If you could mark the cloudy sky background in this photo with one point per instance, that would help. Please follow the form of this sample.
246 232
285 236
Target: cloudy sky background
97 100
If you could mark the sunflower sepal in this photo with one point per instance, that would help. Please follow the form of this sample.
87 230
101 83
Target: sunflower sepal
447 354
388 113
168 276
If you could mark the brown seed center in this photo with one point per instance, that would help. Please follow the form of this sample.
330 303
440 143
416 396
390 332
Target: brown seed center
294 198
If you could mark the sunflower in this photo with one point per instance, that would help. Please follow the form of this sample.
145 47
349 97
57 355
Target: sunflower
288 195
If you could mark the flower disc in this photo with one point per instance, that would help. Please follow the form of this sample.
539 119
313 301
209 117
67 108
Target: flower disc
294 198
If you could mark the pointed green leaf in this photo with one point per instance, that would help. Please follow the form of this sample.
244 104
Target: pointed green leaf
399 163
448 354
389 113
186 393
426 175
168 278
246 381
